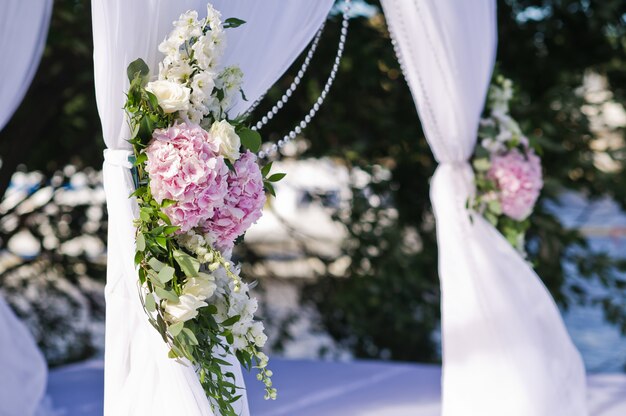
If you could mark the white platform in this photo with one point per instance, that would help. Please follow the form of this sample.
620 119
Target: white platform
314 388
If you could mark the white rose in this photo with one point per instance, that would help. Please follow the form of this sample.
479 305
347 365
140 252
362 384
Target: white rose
199 287
171 95
224 134
183 310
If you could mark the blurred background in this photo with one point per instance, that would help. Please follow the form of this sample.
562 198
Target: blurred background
346 255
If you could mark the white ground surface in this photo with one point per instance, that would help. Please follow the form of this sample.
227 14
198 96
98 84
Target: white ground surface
316 388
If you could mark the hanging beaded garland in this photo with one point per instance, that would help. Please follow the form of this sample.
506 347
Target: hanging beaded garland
272 149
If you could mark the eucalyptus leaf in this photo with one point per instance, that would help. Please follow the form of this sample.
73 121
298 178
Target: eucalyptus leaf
166 274
188 264
150 303
175 329
156 264
166 294
141 242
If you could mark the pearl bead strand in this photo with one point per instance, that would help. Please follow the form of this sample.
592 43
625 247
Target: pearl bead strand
271 150
292 88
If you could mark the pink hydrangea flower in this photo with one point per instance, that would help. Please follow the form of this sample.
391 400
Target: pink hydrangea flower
243 204
184 165
519 181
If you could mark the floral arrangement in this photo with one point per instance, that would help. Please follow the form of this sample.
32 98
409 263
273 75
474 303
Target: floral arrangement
507 169
199 188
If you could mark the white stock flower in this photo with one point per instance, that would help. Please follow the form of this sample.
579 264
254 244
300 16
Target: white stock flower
257 331
188 23
203 83
230 79
183 310
213 18
179 71
208 50
239 342
201 288
171 95
230 143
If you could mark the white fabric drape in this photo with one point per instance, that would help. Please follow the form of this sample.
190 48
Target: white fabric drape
505 348
23 30
139 378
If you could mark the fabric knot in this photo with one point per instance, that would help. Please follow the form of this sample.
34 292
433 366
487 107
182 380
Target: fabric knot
118 157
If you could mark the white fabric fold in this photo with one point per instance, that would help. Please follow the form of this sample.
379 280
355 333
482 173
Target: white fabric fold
139 378
505 348
23 30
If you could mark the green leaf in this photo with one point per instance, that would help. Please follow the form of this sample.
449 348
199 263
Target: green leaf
276 177
191 336
141 242
153 101
189 265
170 229
144 214
231 321
146 127
270 188
166 294
166 274
175 329
250 139
142 158
155 264
266 169
137 68
482 164
233 22
230 165
167 203
150 303
162 241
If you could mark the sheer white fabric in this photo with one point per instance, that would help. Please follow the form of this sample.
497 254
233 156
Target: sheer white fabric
23 29
139 378
505 348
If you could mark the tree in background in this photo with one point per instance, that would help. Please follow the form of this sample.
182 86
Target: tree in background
386 303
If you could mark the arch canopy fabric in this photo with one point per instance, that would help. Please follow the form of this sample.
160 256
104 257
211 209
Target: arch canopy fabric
505 347
139 378
23 31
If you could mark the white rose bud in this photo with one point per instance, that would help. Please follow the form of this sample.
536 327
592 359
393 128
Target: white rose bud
200 288
229 142
171 95
183 310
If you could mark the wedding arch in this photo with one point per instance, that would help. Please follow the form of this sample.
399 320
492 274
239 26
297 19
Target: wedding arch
23 32
505 348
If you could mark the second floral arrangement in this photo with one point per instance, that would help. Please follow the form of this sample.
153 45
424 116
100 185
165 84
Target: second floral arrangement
507 169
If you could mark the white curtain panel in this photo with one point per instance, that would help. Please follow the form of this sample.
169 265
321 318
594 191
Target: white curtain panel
23 30
505 348
139 378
